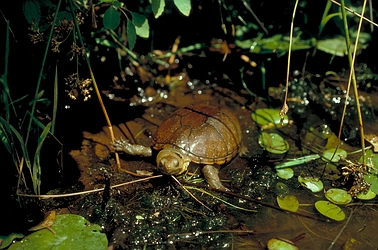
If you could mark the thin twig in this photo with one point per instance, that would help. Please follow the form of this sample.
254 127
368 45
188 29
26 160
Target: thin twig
341 231
89 191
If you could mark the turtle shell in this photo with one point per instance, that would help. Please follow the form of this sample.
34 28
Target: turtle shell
206 133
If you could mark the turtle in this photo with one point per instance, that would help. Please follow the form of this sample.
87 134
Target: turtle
201 133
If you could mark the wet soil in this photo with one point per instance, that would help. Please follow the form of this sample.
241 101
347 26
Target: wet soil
160 214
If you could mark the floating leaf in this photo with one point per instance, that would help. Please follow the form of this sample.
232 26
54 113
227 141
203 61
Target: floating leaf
311 183
131 34
111 18
335 46
373 181
273 143
72 232
281 189
157 7
333 156
6 240
280 244
269 118
183 6
338 196
330 210
289 203
368 196
285 173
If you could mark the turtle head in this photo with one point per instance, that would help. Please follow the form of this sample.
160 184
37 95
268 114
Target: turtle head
172 162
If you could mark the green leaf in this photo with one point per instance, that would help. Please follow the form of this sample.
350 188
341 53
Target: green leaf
311 183
131 34
138 19
32 12
117 4
333 155
338 196
157 7
269 118
289 203
111 18
71 232
183 6
330 210
273 143
373 181
142 27
280 244
368 196
6 240
64 15
285 173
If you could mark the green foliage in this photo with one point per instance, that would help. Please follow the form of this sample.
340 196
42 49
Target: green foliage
142 27
111 18
131 34
183 6
6 240
32 12
157 7
71 232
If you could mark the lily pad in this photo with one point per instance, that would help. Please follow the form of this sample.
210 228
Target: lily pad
71 232
269 118
330 210
289 203
285 173
311 183
6 240
331 155
273 143
373 181
368 196
338 196
280 244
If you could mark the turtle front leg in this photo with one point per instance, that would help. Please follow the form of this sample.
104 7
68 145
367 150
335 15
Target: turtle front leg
211 174
131 149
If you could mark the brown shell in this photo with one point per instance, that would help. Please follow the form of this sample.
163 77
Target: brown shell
206 133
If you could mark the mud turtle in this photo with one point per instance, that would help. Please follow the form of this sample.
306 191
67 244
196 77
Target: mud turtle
201 133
